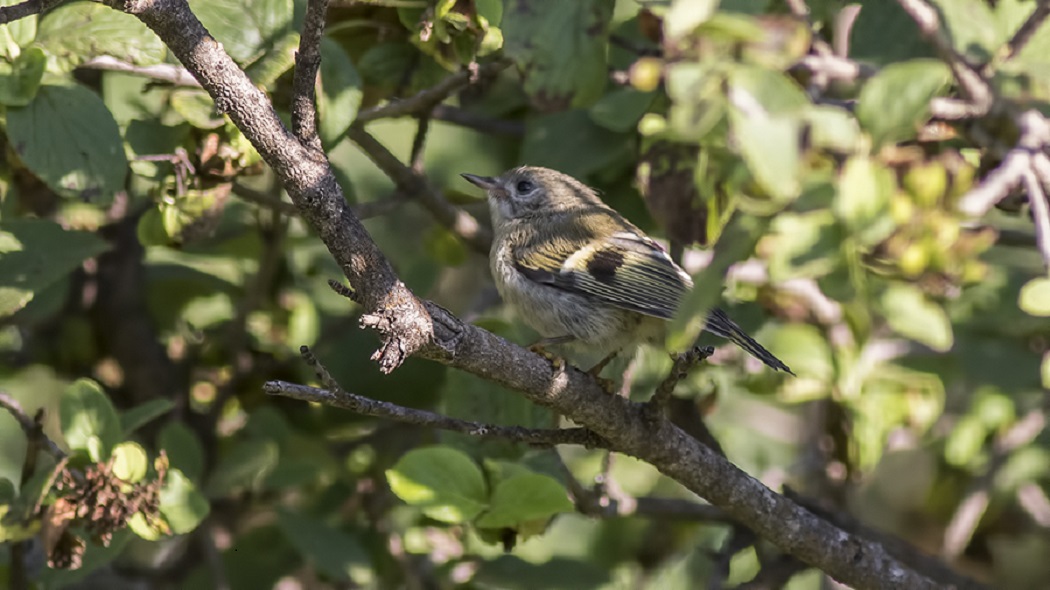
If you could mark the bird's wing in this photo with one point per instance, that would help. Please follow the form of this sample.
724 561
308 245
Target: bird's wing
626 270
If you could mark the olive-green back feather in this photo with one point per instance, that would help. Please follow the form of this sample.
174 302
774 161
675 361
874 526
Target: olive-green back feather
625 269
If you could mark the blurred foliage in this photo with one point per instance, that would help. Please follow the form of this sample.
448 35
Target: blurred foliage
149 286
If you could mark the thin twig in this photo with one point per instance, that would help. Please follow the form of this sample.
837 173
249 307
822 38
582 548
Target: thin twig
335 396
172 74
304 81
265 200
1027 30
967 517
477 122
977 90
30 426
1040 211
683 363
1034 136
428 98
9 14
461 223
370 407
419 142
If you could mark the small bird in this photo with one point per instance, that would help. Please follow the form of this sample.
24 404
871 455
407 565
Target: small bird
579 273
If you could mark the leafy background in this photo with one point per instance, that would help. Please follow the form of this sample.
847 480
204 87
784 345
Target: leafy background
153 278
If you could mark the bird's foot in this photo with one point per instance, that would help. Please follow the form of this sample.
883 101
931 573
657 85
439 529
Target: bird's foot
556 361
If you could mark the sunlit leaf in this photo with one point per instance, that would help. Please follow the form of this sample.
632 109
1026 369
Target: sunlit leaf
79 31
446 483
896 101
89 422
525 497
1035 297
19 79
910 314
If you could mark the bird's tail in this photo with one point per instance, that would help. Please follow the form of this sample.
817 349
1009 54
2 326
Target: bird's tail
719 324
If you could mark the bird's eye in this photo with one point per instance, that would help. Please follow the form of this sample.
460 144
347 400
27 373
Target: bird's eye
524 186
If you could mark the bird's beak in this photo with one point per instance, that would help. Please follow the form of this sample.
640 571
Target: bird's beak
486 182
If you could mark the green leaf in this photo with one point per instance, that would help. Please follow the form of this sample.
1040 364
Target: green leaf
68 138
196 107
130 462
34 254
863 202
767 123
833 128
805 349
245 466
140 415
621 109
525 497
89 422
884 33
1034 298
896 101
770 146
697 99
490 10
444 482
965 441
182 506
685 16
246 29
572 143
972 28
910 314
336 553
753 88
183 448
20 79
541 35
79 31
8 492
737 242
280 58
17 34
807 245
340 94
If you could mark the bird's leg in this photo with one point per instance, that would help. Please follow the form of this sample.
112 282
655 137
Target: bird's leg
607 384
539 347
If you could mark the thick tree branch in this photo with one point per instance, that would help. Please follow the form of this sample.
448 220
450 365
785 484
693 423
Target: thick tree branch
304 82
410 326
